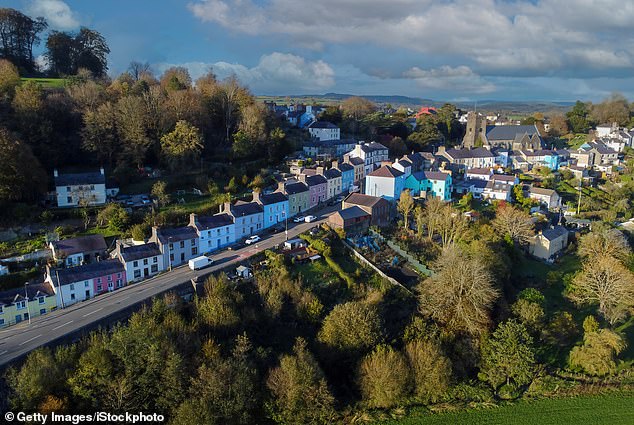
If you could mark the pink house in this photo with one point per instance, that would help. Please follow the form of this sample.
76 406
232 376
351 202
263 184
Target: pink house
80 283
317 187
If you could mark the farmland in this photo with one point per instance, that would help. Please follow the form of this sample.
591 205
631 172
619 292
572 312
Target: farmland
614 409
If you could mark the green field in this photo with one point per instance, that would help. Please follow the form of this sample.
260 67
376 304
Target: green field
612 409
48 83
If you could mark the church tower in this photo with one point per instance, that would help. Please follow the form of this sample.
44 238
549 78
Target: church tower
476 129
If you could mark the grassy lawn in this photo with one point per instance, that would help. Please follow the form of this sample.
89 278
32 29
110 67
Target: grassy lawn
316 273
614 409
48 83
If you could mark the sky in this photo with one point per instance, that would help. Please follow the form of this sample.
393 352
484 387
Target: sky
446 50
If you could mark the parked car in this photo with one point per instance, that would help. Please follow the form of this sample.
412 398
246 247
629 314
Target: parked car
299 219
310 218
252 239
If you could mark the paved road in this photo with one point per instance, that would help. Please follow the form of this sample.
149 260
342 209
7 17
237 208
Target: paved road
18 340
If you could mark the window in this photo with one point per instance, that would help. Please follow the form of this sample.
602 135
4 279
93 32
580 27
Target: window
194 251
218 231
119 283
208 244
182 244
1 322
145 262
154 260
99 288
172 257
110 278
154 268
72 286
98 280
118 275
1 309
137 274
42 311
227 239
208 232
20 305
41 300
135 264
68 189
110 286
193 241
69 199
72 297
92 187
171 247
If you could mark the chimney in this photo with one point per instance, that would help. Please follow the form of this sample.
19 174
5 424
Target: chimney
281 186
256 196
441 150
302 178
346 158
225 207
320 170
103 173
55 173
154 236
193 220
335 164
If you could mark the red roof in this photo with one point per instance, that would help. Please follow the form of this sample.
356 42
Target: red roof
426 110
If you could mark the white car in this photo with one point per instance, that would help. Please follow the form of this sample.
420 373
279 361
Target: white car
252 239
310 218
299 219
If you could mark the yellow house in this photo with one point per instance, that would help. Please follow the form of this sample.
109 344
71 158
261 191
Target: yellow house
549 242
13 303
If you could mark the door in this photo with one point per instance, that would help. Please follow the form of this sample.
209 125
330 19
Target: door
146 272
182 257
18 318
87 294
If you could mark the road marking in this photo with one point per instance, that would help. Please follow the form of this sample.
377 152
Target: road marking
29 340
5 351
61 326
93 312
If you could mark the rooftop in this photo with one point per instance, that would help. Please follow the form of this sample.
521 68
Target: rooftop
332 173
34 290
315 180
95 177
88 271
322 124
361 199
137 252
241 208
176 234
295 188
213 221
470 153
386 171
554 233
508 132
90 243
273 198
352 212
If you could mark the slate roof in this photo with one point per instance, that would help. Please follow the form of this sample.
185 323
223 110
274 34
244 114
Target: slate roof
80 178
295 188
34 290
386 171
137 252
315 180
332 173
404 163
334 142
497 186
176 234
352 212
361 199
480 171
541 191
322 124
90 243
470 153
602 149
241 208
356 161
436 175
508 132
272 198
503 177
554 233
212 221
345 167
89 271
373 146
478 183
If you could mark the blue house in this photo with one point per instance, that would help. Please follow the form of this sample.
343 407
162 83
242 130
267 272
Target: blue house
248 217
347 175
386 182
275 206
434 184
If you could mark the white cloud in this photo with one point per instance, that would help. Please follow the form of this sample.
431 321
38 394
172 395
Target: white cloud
275 72
57 13
520 37
460 79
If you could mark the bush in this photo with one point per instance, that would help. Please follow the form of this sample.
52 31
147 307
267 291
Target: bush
384 377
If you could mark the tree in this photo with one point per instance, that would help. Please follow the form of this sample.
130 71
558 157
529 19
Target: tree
578 118
514 224
299 389
100 132
430 369
614 109
114 216
138 69
558 126
18 35
9 79
159 191
604 242
21 175
606 282
597 355
351 328
182 146
405 206
357 107
460 293
219 308
384 377
133 123
426 132
176 78
258 183
529 308
508 356
68 53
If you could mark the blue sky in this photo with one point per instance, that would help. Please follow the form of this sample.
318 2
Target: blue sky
440 49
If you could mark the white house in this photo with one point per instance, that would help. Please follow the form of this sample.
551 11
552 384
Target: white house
372 155
497 190
324 130
547 197
139 261
214 232
73 190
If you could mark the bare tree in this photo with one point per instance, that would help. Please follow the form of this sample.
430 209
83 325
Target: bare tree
405 206
137 69
460 294
513 223
605 282
604 242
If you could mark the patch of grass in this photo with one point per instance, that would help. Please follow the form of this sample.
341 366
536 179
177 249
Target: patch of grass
614 409
48 83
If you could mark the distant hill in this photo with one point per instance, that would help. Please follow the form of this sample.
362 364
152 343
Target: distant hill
490 106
